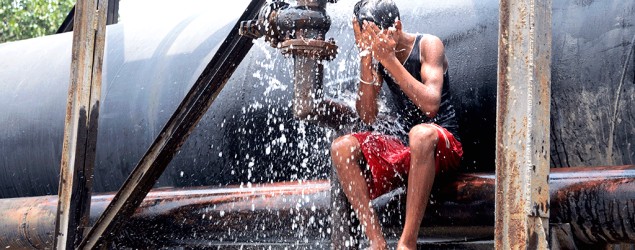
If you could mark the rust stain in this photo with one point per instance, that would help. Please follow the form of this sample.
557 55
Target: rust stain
516 138
599 203
501 116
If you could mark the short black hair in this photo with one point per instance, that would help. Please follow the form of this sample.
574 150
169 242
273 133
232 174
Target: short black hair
384 13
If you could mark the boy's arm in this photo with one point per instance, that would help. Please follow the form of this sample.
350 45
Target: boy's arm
369 79
425 94
369 87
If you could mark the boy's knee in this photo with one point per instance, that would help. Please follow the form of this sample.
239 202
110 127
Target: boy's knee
423 135
344 145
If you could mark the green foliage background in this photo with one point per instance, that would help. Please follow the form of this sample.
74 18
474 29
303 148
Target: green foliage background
22 19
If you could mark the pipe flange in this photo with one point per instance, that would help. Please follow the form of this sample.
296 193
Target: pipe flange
313 48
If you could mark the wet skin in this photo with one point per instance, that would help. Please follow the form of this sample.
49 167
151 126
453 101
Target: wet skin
391 48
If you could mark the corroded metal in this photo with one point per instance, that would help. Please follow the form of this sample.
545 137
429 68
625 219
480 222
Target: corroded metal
561 237
598 203
307 87
266 24
168 217
299 31
599 207
81 123
298 212
311 48
522 131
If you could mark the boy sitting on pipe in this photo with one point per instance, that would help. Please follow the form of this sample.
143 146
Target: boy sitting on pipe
415 69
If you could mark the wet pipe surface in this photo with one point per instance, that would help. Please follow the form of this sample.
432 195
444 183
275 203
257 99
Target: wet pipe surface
598 203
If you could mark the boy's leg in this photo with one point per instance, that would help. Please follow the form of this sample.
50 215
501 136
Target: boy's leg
346 154
423 140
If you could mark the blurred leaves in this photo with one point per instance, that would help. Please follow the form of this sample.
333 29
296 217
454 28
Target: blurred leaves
22 19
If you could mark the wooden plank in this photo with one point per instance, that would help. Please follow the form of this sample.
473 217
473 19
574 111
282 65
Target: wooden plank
194 105
522 124
81 123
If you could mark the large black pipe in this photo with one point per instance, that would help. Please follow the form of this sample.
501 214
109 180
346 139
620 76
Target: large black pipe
597 202
249 134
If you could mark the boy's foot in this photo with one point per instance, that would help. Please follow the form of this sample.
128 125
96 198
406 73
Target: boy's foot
402 245
378 246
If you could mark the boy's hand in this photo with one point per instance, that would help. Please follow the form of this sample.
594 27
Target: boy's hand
382 43
362 41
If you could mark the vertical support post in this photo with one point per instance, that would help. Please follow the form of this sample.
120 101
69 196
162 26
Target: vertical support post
522 118
80 128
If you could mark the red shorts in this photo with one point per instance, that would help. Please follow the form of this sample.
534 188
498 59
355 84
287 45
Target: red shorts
389 160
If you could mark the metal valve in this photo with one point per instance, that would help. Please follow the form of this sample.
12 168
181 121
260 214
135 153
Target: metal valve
298 31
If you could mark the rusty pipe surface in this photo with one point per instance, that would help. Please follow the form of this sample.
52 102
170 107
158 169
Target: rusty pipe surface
307 24
598 202
307 87
172 216
599 206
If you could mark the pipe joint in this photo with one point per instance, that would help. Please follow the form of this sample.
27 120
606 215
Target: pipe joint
298 31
